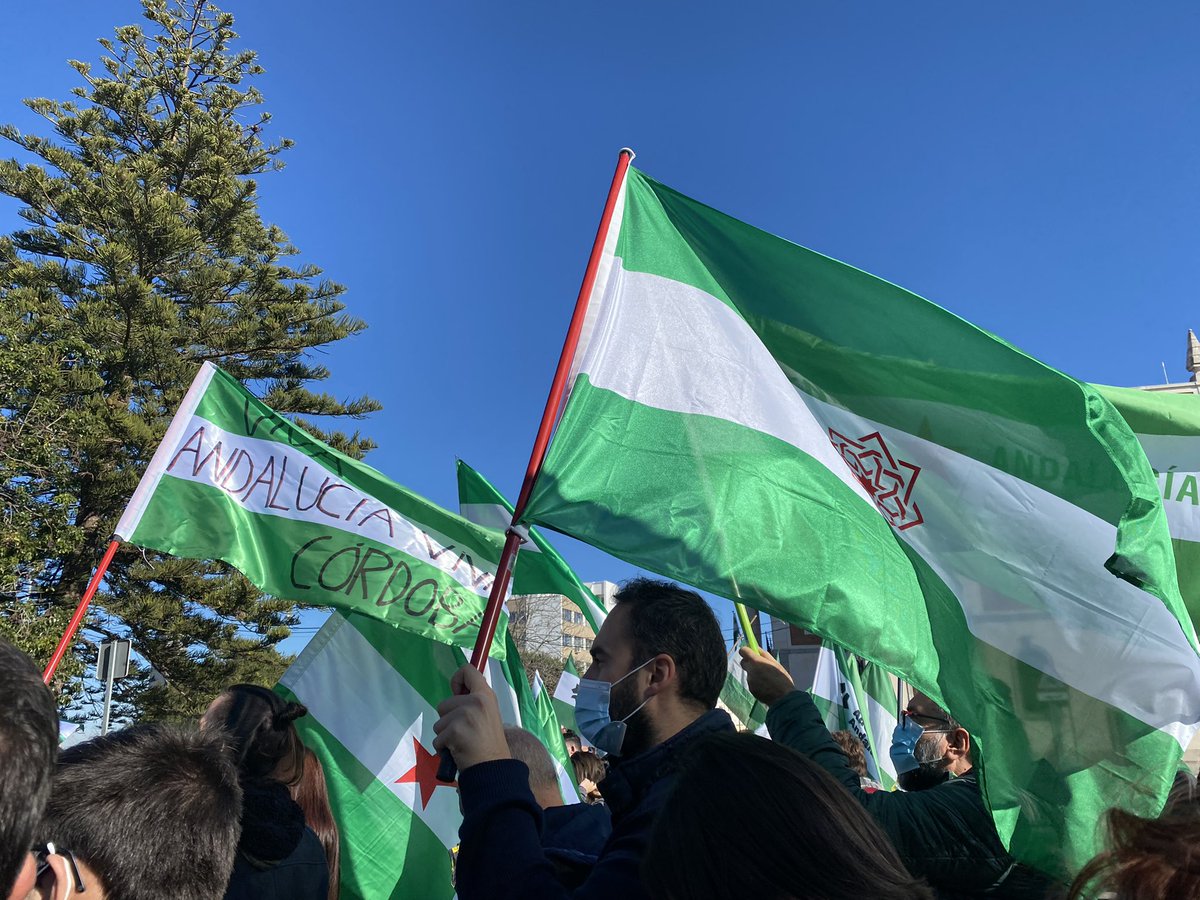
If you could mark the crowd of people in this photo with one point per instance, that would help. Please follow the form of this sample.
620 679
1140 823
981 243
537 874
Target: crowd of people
678 804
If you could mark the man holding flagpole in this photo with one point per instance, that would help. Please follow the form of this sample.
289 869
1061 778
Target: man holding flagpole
651 691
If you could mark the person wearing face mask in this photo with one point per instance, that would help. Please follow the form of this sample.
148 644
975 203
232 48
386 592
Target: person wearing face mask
658 664
938 822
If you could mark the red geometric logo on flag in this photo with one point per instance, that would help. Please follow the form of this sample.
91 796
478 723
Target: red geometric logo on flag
888 480
424 773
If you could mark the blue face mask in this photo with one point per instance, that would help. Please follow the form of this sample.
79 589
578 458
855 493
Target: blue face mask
904 745
592 716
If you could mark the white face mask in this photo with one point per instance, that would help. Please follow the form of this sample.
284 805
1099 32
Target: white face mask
592 715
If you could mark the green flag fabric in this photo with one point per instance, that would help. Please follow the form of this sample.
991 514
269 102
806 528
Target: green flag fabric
551 735
234 480
372 692
1168 428
839 693
736 696
564 695
780 428
539 568
882 711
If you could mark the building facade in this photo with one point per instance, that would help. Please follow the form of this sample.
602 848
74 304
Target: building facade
554 625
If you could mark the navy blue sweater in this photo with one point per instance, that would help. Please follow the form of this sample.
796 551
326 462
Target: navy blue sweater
501 855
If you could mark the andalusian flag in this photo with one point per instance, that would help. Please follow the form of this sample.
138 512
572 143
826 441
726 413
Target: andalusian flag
882 711
771 425
1168 428
564 694
736 696
234 480
839 694
547 729
539 568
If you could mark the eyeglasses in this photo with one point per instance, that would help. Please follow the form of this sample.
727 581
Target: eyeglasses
46 876
905 715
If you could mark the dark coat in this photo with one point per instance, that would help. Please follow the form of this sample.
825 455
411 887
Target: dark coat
573 837
501 855
944 835
279 857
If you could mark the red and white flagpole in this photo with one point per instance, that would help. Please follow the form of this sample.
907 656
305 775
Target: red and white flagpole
80 611
513 538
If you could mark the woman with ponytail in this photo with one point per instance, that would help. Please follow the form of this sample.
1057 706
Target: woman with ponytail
279 856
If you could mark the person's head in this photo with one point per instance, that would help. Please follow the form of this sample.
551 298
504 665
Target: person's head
805 837
258 723
589 772
571 739
661 650
312 795
543 780
928 746
1146 859
28 743
853 749
148 813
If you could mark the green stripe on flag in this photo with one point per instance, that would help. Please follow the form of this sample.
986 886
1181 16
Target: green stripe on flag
771 425
235 481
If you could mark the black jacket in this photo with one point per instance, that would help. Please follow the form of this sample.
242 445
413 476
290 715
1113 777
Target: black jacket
944 835
573 837
501 855
279 857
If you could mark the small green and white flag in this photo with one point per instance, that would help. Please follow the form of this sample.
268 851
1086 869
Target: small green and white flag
838 692
736 696
551 735
1168 428
771 425
881 693
564 694
234 480
539 569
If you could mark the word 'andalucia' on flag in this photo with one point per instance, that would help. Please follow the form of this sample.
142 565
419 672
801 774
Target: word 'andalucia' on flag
774 426
839 694
1168 428
372 693
539 568
234 480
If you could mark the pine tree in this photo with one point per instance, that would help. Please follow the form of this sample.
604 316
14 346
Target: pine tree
143 254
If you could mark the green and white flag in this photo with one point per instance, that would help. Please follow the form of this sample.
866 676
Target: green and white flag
564 694
1168 428
838 692
539 569
550 733
234 480
736 696
372 692
771 425
881 694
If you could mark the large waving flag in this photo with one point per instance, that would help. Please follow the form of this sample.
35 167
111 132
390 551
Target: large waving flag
234 480
839 693
1168 428
774 426
539 568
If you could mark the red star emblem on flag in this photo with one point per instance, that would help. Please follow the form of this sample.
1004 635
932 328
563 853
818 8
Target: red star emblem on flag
888 480
424 773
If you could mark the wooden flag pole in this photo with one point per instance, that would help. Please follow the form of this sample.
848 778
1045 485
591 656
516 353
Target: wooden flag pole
513 538
80 611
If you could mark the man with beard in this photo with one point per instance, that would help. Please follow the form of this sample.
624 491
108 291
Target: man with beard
939 823
658 664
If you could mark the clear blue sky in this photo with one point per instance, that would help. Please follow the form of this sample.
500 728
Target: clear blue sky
1033 167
